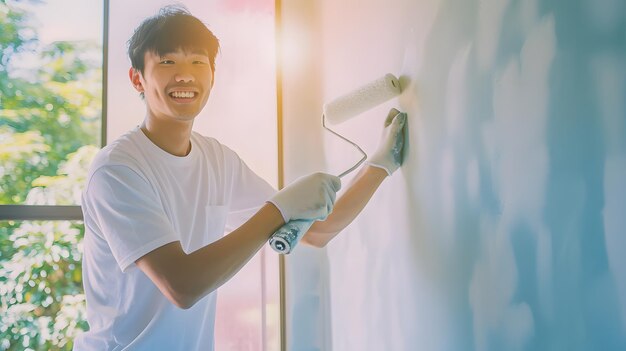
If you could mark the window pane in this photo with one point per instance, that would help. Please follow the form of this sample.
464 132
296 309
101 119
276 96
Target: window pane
42 306
240 113
50 98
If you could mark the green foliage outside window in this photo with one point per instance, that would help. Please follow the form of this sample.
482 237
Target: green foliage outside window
50 118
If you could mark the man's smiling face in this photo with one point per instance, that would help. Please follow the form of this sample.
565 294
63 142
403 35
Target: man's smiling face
176 85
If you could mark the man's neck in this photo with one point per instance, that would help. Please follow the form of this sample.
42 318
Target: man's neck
171 136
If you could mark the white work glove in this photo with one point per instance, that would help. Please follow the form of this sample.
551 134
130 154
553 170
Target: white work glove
311 197
388 156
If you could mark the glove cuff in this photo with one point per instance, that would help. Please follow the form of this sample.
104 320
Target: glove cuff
377 165
286 218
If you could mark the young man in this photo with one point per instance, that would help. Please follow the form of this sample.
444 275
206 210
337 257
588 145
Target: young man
158 199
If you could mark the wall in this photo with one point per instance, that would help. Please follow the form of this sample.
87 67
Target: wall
505 228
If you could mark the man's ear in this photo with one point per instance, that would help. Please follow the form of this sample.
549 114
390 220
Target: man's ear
135 80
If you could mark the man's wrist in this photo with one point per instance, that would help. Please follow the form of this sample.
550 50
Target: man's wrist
270 203
270 207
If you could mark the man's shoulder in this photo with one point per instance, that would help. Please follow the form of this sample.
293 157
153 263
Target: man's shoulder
123 151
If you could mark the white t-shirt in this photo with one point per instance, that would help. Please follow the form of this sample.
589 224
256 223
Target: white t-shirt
137 198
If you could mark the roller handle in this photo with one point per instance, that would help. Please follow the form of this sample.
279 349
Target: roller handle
285 239
339 110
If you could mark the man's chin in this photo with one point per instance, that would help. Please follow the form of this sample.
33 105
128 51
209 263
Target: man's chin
185 115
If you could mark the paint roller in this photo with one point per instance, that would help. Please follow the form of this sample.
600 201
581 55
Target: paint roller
337 111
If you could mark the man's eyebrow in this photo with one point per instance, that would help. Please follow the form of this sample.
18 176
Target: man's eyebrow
202 52
166 53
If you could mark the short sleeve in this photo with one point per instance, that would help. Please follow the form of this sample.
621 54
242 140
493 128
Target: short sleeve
249 194
122 207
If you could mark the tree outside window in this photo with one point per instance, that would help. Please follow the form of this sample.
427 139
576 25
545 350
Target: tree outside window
50 126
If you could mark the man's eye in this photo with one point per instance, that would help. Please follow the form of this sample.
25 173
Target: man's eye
200 62
167 62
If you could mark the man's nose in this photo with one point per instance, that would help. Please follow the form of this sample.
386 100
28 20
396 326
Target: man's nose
184 76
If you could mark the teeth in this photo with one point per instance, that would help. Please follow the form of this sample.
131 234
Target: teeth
183 94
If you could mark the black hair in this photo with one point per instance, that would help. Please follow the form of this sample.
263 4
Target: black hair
173 28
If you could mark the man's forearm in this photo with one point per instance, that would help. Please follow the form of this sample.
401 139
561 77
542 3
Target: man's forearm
229 254
186 278
347 207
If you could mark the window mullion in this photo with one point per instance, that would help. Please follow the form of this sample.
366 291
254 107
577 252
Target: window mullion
40 212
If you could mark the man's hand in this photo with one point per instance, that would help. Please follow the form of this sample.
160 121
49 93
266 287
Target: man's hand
310 197
389 153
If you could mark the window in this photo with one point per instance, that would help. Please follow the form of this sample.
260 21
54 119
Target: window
240 113
62 67
51 69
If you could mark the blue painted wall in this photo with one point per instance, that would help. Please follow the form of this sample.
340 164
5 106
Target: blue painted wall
506 227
